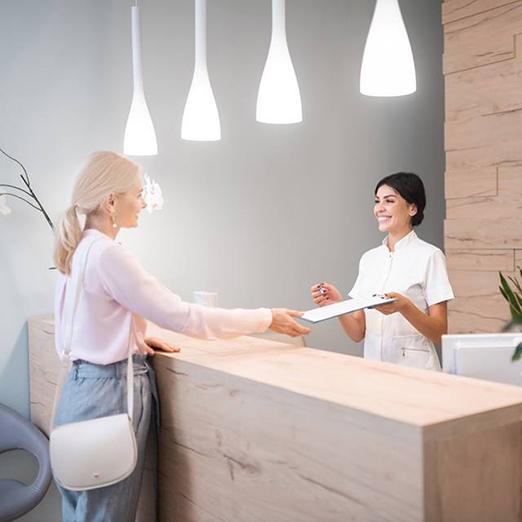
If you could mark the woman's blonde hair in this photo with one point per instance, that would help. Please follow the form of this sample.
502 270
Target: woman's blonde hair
105 173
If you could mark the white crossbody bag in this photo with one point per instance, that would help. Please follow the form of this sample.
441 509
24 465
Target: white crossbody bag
98 452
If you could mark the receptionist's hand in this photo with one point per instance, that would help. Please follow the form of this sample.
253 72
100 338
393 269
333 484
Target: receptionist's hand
399 305
154 344
328 295
283 322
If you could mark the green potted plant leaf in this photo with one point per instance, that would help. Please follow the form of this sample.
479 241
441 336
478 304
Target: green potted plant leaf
513 295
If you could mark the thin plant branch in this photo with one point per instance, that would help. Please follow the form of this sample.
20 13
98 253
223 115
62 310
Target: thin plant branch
21 199
26 179
46 216
29 192
15 187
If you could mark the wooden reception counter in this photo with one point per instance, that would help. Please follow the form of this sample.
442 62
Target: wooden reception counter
260 431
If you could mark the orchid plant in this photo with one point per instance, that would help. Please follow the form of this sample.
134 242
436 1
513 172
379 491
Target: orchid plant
23 192
152 195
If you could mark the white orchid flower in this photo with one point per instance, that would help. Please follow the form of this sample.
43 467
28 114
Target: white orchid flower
152 195
5 210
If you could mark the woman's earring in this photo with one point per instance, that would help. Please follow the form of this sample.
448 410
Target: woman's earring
114 224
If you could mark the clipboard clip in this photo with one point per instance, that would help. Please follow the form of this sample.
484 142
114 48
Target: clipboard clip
383 297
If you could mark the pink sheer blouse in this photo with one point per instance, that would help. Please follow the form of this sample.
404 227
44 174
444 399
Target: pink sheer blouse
118 295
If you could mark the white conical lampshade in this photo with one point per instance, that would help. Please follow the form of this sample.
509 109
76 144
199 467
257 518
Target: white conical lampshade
387 67
140 137
278 98
201 117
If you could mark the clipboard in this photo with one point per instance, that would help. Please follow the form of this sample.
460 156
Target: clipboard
317 315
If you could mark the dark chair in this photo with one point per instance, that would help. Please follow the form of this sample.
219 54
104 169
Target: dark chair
16 432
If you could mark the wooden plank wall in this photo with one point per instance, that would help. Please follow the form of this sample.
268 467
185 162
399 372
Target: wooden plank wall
483 142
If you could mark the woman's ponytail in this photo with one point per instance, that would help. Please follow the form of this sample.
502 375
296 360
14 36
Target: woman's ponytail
67 239
104 173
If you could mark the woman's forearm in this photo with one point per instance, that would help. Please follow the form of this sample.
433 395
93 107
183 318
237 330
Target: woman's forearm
431 327
354 325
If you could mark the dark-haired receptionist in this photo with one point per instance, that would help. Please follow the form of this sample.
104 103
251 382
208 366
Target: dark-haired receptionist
404 267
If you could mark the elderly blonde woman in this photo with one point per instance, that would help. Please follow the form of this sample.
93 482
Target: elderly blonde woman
118 295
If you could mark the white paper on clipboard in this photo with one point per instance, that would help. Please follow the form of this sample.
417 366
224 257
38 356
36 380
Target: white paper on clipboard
344 307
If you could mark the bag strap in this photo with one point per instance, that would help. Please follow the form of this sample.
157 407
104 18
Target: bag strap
66 354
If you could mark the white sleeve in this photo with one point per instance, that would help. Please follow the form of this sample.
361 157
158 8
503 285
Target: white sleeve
437 287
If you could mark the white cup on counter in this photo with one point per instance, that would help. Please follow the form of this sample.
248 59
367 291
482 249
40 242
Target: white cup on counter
205 298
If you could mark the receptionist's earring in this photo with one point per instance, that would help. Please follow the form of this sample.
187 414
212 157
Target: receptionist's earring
114 224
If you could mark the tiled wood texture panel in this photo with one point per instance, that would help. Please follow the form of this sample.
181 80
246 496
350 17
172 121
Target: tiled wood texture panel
483 138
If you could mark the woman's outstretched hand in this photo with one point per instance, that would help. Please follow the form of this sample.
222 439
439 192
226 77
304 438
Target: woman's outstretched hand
154 344
283 322
325 294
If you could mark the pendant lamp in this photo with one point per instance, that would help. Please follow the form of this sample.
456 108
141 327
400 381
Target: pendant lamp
278 98
140 137
200 117
387 66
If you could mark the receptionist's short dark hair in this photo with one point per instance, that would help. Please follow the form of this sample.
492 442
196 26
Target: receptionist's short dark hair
411 188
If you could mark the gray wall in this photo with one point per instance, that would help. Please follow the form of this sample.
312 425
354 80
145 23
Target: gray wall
258 216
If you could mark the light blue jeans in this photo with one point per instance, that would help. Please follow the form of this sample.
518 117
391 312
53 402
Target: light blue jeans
91 391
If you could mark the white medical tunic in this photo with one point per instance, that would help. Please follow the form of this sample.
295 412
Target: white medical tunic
416 270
